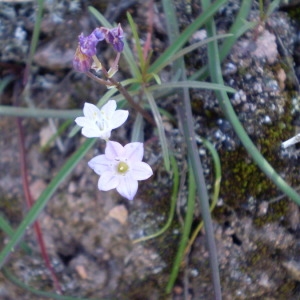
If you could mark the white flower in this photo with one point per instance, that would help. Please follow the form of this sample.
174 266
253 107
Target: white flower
100 122
291 141
121 168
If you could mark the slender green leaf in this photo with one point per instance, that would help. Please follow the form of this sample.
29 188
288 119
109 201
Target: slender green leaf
188 220
35 38
156 78
137 133
238 28
137 41
192 84
272 7
191 48
160 128
5 226
185 35
217 184
37 113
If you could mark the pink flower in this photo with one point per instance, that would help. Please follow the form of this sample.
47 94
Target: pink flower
121 168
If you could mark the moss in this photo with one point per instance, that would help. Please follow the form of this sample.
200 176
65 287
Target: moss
242 71
259 256
242 179
275 212
293 11
260 259
144 289
286 290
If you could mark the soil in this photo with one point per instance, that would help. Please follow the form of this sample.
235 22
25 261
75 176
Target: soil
89 234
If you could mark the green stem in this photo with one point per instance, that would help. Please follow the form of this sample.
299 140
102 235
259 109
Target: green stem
34 40
186 230
5 226
215 197
36 113
237 29
160 128
129 99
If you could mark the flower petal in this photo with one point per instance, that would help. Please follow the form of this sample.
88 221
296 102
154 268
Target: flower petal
127 187
105 135
91 111
99 34
89 43
118 118
115 37
81 62
108 181
134 151
83 122
140 171
91 132
114 150
100 164
109 108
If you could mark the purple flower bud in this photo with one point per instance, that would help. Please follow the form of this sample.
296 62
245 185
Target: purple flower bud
99 33
81 62
88 43
115 37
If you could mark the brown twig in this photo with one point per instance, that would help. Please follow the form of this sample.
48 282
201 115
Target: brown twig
29 201
123 91
97 79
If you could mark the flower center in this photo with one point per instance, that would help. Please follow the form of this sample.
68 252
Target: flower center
122 167
102 123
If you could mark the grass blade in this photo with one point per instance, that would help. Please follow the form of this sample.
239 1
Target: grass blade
186 230
34 40
160 128
36 113
185 35
192 84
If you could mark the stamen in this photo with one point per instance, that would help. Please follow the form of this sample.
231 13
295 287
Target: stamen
122 167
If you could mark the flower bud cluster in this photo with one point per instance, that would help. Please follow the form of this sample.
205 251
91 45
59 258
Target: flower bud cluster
87 46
